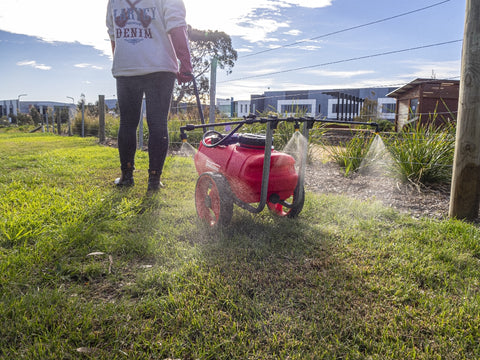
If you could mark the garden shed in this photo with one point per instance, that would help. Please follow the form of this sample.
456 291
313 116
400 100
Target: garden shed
426 101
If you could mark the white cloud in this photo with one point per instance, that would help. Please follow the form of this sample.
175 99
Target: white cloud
34 64
423 68
309 47
88 66
241 18
310 3
293 32
258 30
58 20
244 50
341 74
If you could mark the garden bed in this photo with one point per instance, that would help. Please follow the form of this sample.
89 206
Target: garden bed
431 201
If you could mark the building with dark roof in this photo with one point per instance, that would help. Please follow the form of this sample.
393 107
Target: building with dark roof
426 101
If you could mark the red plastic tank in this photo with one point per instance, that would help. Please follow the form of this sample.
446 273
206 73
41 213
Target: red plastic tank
242 165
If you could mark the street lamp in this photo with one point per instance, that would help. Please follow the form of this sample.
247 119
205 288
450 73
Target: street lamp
18 102
82 99
69 120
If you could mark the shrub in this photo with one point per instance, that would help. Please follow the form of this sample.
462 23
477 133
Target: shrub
112 124
349 154
24 119
91 125
425 154
385 125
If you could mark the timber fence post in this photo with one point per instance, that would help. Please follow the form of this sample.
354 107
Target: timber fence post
101 118
465 190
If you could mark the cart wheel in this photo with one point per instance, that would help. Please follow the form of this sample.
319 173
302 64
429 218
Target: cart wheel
292 212
213 199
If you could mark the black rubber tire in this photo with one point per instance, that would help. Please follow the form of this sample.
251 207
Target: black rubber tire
213 199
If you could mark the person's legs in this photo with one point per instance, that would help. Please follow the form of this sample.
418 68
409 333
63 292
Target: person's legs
158 93
130 95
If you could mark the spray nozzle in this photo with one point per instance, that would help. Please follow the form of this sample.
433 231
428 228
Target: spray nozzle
183 136
296 126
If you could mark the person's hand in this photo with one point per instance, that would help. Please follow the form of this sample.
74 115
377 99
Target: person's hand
184 77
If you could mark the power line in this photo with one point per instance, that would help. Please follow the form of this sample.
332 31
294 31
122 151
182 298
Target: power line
345 60
349 29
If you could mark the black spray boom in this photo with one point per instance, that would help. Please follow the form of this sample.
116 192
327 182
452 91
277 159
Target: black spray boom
273 120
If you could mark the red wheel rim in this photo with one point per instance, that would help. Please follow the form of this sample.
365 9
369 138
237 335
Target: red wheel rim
297 199
207 200
277 209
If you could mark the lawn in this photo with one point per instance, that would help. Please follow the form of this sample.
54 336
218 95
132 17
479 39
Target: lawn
88 271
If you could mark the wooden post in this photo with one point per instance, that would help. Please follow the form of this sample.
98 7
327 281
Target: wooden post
465 190
46 117
59 123
140 128
101 118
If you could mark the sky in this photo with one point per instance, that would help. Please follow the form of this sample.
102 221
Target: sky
51 50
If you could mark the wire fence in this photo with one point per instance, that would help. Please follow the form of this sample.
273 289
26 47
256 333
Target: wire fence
322 139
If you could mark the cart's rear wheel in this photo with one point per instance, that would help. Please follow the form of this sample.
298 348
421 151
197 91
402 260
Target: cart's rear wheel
213 199
291 212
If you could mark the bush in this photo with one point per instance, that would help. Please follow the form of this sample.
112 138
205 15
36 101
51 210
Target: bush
91 126
350 154
112 124
385 126
425 154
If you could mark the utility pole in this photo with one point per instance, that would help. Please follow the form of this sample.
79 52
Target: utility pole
465 190
213 89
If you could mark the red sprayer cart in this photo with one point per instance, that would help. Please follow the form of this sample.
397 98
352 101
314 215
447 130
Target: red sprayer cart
245 170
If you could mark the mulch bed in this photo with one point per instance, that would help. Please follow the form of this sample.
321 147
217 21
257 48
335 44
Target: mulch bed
432 201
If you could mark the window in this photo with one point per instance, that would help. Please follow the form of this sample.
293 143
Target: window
413 112
296 109
389 108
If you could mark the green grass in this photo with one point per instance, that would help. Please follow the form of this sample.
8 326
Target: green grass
346 280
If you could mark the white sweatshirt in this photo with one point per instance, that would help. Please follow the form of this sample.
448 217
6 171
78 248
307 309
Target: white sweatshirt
140 31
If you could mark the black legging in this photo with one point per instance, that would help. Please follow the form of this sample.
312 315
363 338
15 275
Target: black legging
158 88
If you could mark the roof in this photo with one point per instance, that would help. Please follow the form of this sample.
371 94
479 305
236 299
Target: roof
406 88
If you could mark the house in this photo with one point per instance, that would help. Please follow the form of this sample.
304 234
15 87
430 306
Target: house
427 101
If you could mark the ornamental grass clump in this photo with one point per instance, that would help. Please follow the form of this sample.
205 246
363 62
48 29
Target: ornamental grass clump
350 154
425 154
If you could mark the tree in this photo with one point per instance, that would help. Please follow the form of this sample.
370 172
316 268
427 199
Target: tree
35 114
24 119
204 46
